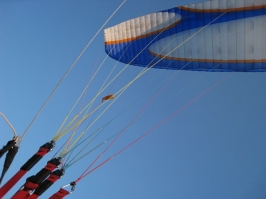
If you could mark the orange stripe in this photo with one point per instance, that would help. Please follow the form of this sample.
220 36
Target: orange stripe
207 60
142 36
223 10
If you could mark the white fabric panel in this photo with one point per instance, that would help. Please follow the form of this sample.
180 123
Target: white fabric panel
206 5
216 39
208 43
240 39
249 38
241 4
259 43
214 4
224 41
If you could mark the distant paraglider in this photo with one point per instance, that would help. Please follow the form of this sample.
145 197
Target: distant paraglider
108 97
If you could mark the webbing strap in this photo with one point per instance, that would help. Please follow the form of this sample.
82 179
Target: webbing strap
6 187
20 194
60 194
57 174
32 196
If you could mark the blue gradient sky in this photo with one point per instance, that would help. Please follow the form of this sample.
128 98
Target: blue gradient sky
215 148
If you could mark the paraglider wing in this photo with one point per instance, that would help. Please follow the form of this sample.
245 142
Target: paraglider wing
217 35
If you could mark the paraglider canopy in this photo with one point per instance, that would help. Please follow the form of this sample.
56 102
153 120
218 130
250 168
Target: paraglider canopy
217 35
108 97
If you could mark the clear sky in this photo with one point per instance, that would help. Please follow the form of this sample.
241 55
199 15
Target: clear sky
214 148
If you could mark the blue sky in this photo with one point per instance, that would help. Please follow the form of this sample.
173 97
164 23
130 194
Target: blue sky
214 148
